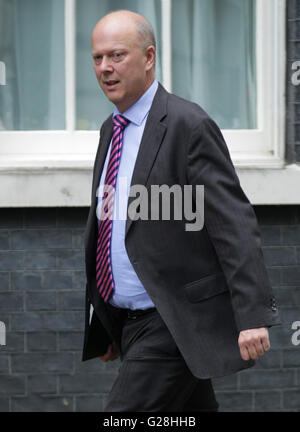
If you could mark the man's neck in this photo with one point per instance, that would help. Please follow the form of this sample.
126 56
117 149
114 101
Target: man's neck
124 108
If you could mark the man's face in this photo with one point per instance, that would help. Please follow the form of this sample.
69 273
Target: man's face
120 64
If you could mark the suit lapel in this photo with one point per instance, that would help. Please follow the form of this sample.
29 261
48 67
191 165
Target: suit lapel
152 138
105 137
153 135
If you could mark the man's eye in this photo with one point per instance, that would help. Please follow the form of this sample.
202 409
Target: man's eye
117 56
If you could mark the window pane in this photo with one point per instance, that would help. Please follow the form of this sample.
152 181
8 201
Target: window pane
92 105
32 48
213 58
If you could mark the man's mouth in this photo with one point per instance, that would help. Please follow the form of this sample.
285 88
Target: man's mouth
111 83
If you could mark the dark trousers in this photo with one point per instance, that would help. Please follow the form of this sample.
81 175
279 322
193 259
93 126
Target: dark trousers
153 376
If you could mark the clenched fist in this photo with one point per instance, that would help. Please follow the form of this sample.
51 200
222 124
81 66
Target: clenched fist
253 343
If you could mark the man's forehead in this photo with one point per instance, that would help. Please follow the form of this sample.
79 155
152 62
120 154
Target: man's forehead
115 28
114 38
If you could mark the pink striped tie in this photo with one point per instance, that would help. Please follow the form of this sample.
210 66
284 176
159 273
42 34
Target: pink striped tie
104 276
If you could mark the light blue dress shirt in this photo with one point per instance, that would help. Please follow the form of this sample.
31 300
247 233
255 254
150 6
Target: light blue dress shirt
129 292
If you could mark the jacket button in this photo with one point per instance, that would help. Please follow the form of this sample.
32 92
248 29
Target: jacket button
273 304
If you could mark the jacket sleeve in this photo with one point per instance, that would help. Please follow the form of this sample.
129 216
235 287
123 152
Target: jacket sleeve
96 338
232 227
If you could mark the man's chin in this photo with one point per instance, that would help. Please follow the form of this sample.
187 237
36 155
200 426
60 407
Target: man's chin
115 99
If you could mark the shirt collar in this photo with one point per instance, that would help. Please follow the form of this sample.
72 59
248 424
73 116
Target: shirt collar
138 111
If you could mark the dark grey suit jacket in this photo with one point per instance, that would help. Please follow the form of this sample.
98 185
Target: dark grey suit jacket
207 285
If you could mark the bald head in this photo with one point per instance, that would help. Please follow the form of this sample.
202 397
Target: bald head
142 28
123 49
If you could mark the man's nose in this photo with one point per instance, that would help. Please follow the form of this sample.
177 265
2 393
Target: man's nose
106 65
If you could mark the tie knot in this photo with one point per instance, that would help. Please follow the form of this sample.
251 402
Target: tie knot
120 121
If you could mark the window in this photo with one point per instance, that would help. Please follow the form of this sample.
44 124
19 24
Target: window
212 57
226 55
32 48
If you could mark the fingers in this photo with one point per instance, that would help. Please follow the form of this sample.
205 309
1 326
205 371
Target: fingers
111 354
114 357
253 343
244 353
107 355
253 352
266 343
115 349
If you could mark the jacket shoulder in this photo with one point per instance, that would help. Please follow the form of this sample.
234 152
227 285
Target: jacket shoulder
106 122
182 110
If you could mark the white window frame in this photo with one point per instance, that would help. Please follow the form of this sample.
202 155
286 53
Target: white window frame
263 146
66 157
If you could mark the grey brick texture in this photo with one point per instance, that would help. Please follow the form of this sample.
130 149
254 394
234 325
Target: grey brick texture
292 91
43 310
272 384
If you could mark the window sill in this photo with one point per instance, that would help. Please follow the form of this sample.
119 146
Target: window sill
61 182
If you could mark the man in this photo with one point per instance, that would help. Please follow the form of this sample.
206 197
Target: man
179 306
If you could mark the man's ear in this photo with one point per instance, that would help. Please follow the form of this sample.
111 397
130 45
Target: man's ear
151 55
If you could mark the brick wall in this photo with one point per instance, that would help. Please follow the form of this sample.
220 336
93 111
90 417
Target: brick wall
42 306
292 91
273 384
